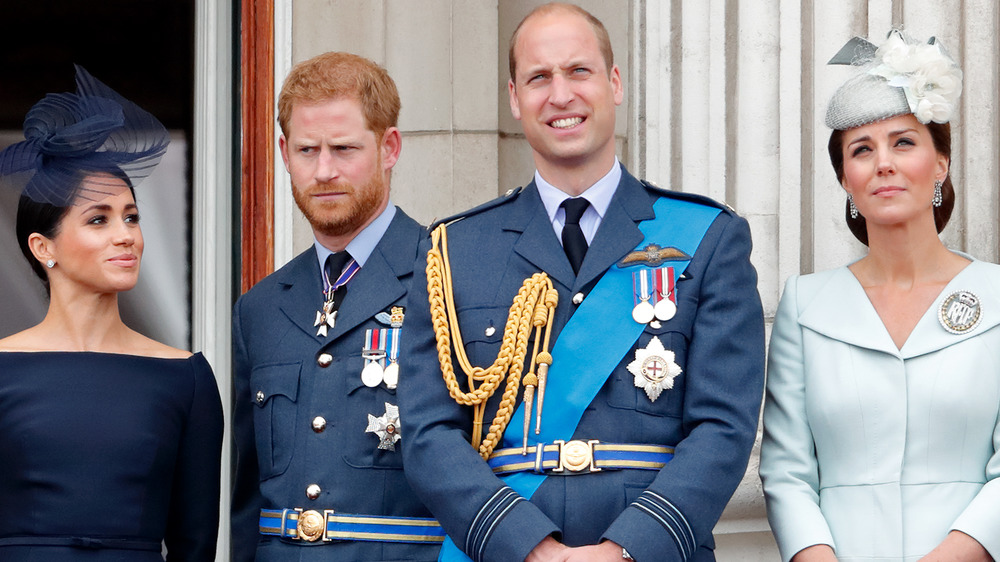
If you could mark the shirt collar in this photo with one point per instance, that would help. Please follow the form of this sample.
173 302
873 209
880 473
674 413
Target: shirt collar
362 246
599 195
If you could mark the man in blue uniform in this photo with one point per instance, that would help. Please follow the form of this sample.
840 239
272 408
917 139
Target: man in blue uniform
319 468
633 405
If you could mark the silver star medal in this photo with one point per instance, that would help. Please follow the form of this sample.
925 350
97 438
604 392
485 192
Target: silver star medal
654 369
386 427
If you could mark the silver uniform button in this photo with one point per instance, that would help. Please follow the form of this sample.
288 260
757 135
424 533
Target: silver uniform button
577 298
490 331
313 491
260 397
319 424
324 359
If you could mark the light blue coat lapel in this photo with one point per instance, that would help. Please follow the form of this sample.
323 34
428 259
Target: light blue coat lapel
856 323
930 335
840 310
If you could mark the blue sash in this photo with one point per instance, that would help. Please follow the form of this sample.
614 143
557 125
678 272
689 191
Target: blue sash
582 349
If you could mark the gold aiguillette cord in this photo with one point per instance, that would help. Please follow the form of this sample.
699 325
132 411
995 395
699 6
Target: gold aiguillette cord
532 309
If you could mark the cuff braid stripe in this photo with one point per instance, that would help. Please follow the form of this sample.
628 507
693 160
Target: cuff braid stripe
486 520
671 518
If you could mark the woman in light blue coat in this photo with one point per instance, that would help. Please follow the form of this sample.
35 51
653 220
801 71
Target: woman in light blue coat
881 430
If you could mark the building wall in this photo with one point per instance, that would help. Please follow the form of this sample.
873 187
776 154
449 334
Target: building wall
723 97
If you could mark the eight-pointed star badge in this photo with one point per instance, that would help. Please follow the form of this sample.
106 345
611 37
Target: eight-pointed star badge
654 369
386 427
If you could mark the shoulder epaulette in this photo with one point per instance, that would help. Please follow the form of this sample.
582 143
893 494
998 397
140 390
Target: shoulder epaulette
506 197
684 196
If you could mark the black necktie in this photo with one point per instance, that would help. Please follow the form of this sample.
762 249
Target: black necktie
334 266
574 243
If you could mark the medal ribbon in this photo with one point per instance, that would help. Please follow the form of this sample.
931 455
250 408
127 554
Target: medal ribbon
640 281
661 277
594 354
345 276
392 344
377 340
664 276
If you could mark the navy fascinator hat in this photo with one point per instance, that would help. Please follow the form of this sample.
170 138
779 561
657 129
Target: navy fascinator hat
70 136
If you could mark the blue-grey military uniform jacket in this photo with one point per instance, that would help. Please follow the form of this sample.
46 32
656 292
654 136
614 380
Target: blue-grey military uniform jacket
710 415
276 353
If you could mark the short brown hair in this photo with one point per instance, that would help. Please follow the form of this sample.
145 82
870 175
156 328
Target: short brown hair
941 136
600 32
338 75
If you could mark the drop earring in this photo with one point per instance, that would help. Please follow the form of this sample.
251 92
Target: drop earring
850 202
50 264
938 198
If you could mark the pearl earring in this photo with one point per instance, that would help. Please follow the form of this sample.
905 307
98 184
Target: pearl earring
50 264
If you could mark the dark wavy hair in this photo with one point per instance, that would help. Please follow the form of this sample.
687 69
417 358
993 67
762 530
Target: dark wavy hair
941 136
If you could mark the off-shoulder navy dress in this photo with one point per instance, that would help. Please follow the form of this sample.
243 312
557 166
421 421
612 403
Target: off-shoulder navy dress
108 457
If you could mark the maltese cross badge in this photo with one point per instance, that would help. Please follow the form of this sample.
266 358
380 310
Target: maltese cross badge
386 427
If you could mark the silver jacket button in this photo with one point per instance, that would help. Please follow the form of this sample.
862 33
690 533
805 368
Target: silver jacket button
260 397
319 424
577 298
313 491
324 359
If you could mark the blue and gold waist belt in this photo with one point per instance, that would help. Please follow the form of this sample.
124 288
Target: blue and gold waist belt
578 456
313 525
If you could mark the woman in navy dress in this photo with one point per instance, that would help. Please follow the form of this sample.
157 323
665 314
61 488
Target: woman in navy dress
111 441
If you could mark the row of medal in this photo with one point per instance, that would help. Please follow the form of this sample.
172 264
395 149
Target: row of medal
653 295
381 355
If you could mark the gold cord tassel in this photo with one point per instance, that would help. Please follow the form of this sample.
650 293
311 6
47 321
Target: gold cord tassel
533 307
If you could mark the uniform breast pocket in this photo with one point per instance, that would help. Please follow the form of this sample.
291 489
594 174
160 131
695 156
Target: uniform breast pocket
274 390
377 448
652 376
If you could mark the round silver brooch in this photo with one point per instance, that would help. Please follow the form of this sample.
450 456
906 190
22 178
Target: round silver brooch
960 312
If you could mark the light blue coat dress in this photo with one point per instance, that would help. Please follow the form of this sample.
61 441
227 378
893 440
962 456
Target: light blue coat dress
878 451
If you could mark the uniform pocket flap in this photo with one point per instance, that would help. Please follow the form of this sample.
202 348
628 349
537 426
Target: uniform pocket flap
275 380
482 325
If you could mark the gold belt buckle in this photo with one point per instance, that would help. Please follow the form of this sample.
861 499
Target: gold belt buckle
576 456
311 525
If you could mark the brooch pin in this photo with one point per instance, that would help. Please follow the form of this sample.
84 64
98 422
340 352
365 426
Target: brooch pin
960 312
654 369
385 427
